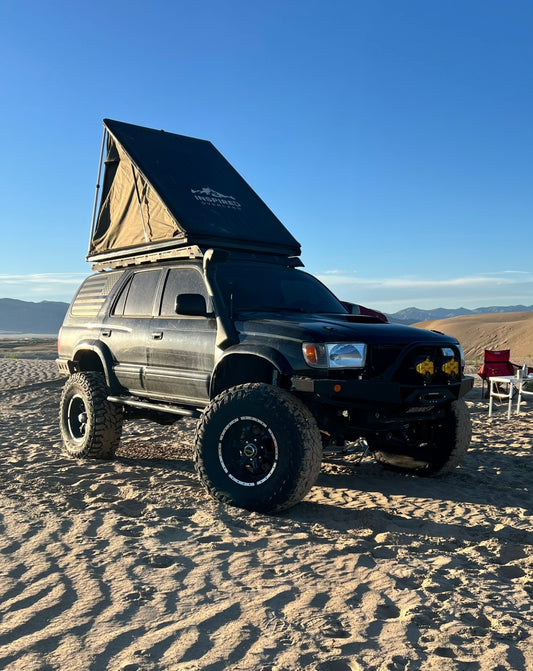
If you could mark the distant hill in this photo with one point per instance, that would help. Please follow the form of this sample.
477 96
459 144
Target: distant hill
27 317
478 332
414 315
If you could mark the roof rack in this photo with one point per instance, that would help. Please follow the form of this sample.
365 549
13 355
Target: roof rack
136 259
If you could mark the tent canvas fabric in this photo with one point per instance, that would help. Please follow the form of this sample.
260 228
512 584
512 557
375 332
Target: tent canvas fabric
165 189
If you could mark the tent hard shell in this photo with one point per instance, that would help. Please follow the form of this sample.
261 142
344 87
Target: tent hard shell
169 194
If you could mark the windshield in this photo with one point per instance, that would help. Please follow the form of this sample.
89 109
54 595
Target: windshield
264 287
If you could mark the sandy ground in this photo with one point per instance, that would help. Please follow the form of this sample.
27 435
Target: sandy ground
129 565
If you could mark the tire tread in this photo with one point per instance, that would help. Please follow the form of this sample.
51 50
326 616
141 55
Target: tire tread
106 426
304 470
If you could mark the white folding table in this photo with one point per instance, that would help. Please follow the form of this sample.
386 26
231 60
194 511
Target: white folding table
496 390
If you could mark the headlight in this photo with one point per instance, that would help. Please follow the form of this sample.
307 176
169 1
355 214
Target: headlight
335 355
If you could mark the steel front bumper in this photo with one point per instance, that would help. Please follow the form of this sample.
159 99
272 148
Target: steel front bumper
368 392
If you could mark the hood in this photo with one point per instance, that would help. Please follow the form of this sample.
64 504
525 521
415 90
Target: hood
336 328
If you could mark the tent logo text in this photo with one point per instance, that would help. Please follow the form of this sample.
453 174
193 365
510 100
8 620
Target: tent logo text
209 196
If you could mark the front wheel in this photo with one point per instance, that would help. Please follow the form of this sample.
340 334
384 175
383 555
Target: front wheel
433 447
90 425
258 447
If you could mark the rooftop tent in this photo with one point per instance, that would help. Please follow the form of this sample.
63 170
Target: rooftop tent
166 191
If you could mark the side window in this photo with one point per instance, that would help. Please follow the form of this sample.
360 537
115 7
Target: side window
137 297
182 281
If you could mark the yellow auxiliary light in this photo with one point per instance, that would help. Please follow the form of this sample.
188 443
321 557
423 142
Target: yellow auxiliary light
426 368
451 367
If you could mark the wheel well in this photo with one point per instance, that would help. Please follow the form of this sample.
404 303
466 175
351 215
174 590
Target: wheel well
88 360
243 368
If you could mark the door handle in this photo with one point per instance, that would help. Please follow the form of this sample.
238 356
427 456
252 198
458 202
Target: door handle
105 333
157 335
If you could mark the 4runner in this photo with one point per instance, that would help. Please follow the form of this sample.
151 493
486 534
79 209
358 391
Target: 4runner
198 309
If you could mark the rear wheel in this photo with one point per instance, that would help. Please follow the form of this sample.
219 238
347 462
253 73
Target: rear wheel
258 447
439 446
90 425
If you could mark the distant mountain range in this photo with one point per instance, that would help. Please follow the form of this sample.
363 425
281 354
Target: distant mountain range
26 317
415 315
47 316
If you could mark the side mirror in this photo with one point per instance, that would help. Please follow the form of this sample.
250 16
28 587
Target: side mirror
191 305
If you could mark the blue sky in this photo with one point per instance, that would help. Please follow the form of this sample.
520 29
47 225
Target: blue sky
393 138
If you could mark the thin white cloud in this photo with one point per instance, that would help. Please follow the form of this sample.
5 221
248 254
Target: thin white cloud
41 286
511 272
48 278
395 293
490 279
404 282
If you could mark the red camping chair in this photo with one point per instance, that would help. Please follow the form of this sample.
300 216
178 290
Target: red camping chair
496 362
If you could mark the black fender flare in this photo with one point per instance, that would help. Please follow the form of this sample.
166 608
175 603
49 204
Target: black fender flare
105 357
269 354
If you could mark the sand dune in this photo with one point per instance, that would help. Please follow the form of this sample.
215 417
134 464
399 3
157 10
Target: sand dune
510 330
129 565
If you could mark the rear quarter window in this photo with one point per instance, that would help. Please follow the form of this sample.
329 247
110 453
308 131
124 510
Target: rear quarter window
93 293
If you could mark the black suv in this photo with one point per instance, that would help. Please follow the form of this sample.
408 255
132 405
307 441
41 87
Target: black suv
274 366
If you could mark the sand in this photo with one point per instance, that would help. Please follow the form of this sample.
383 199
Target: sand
503 330
129 565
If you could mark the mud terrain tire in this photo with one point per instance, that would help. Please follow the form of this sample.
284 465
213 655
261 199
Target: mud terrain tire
257 447
90 426
451 439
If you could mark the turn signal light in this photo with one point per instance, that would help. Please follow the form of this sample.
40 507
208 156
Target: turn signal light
310 353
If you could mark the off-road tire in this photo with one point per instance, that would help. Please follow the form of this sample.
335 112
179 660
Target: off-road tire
257 447
90 426
451 441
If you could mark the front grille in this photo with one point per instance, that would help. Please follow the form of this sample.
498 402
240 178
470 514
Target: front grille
382 360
